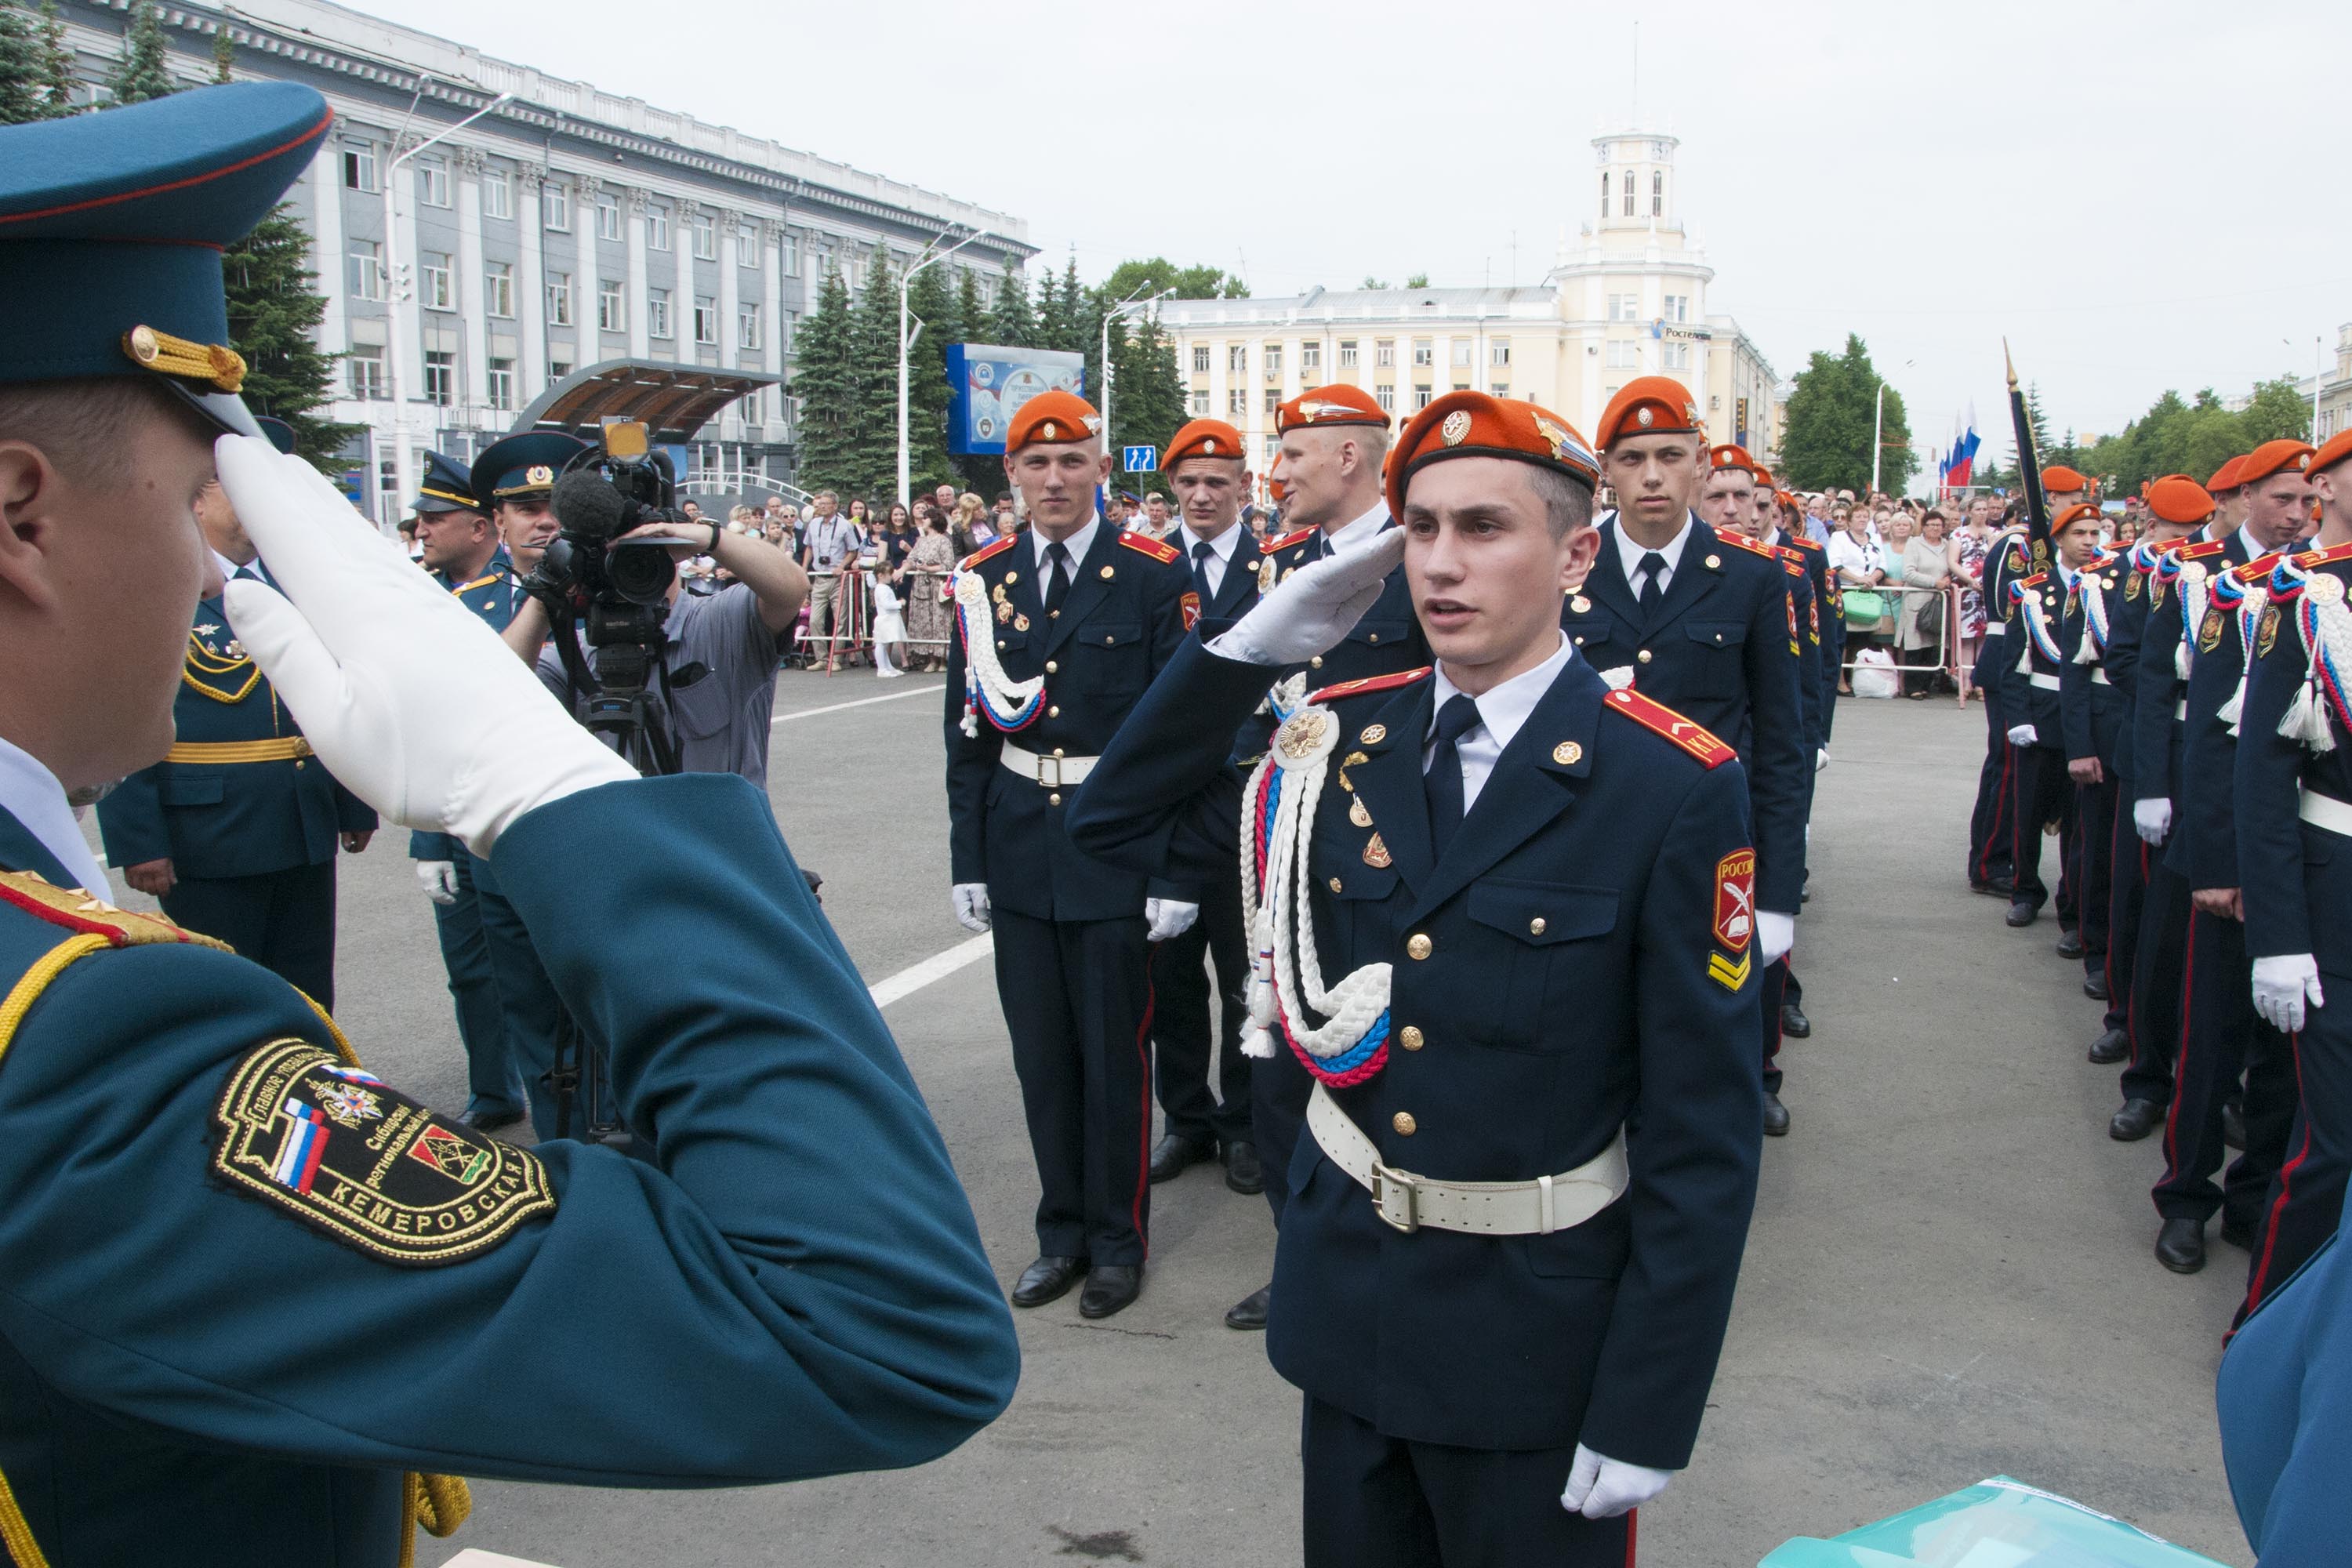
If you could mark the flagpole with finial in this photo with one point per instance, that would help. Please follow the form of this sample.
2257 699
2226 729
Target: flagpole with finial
2028 468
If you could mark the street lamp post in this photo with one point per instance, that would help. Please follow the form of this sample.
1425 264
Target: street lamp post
401 451
1113 314
905 346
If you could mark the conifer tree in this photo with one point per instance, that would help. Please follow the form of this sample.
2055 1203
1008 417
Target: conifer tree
825 382
144 71
1012 324
275 310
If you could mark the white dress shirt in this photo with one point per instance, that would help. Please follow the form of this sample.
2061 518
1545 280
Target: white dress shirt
1221 554
1077 544
1358 533
1501 712
32 795
1630 553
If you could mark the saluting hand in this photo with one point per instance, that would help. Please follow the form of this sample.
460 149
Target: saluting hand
1313 609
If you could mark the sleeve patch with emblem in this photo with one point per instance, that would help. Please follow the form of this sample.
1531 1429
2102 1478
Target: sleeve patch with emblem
1735 919
352 1157
2209 636
1191 606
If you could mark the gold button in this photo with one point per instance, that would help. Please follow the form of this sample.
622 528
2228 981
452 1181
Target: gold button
1315 663
1108 574
1713 561
1580 642
1053 614
1053 712
1336 884
298 765
1417 945
1057 751
1568 753
1643 656
1409 1037
1052 666
1108 640
1053 800
1404 1123
1581 605
1536 926
1000 642
143 346
1374 637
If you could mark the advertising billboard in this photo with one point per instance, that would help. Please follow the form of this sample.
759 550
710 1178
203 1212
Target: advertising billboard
987 384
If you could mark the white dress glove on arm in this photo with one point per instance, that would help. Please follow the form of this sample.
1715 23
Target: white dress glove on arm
439 880
1775 935
1164 918
1312 610
2153 819
2281 985
971 902
1601 1488
2020 735
410 700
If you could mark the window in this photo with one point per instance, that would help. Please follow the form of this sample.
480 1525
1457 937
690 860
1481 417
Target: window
1310 356
1657 193
747 245
706 319
1384 354
1498 350
1604 193
1624 353
433 181
365 363
559 298
440 377
1678 307
1200 404
657 227
1273 359
498 194
1463 348
358 166
1626 187
555 205
498 288
611 310
706 237
1274 400
1386 394
1347 353
747 327
1420 396
1236 404
657 313
1675 356
1624 307
364 275
608 215
850 268
1500 389
1237 360
1423 353
1201 358
792 256
1269 449
557 369
503 384
439 292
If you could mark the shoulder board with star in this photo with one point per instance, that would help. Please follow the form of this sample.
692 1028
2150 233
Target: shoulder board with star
985 552
2259 567
1753 546
1299 536
2328 557
1371 684
1661 720
2202 549
73 910
1159 550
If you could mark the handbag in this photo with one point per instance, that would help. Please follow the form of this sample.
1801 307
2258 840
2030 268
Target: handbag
1865 609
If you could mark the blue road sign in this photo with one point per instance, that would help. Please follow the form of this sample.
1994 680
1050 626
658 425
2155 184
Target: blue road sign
1139 459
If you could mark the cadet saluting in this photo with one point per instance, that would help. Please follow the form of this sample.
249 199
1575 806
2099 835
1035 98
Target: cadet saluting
253 1289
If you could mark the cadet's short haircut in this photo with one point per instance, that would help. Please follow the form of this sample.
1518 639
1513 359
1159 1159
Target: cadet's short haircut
82 424
1568 506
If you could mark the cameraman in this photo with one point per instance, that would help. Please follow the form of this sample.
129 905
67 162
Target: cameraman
717 723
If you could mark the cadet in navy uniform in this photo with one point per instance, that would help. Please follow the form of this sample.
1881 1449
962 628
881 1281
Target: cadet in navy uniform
2223 1036
1206 465
1529 1001
235 831
2090 720
2008 557
1699 621
1060 629
255 1292
2040 794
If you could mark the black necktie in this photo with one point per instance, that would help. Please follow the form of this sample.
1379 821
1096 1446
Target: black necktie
1652 566
1443 783
1201 555
1057 576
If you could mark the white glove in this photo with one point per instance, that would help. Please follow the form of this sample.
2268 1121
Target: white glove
1602 1488
439 880
1775 935
409 700
970 900
1165 918
2153 819
2021 734
1313 609
2280 983
1821 760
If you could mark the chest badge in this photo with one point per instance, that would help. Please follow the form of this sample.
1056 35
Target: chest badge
1376 854
1357 814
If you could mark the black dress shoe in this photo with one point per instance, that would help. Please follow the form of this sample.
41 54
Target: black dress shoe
1111 1289
2095 986
2180 1245
2110 1048
1793 1022
482 1119
1047 1279
2070 944
2241 1237
1776 1116
2021 913
2233 1124
2135 1121
1993 888
1243 1172
1175 1152
1249 1312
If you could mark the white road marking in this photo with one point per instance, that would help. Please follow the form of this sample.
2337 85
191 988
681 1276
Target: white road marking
861 703
938 966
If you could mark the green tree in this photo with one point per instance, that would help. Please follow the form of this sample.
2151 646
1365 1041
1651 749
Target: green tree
971 316
1151 274
871 462
53 65
144 71
1149 404
224 55
1418 280
2277 412
929 301
21 96
825 382
1826 429
274 312
1052 316
1372 284
1012 324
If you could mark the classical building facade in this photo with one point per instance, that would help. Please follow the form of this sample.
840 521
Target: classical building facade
2332 394
566 227
1628 298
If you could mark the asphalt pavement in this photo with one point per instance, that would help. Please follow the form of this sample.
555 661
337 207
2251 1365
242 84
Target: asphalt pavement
1950 1274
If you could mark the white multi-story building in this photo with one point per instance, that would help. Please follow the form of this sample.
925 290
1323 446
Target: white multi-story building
1628 298
567 228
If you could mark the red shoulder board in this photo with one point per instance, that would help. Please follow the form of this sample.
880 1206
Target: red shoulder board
1659 719
78 912
2100 562
1372 683
1753 546
1299 536
2032 581
977 556
1802 542
2203 549
1793 568
2327 557
1159 550
2255 570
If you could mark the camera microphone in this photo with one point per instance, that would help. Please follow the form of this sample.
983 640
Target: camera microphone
585 504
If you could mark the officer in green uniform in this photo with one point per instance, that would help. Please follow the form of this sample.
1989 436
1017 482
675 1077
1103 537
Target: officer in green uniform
253 1292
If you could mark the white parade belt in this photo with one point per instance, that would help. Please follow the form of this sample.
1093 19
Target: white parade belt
1407 1202
1994 629
2325 811
2181 711
1057 772
2046 682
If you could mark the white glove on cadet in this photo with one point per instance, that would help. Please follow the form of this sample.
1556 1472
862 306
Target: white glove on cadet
1312 610
2020 735
439 880
1601 1488
2280 983
1821 758
2153 819
1165 918
413 703
1775 935
971 903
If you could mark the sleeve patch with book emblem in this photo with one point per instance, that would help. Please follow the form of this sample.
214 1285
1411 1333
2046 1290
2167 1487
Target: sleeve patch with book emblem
355 1158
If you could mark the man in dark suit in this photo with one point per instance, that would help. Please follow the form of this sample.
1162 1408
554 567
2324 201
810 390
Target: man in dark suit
1532 906
1206 465
1061 628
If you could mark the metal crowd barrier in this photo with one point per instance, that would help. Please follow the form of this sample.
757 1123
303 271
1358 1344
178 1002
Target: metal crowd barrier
1947 643
850 631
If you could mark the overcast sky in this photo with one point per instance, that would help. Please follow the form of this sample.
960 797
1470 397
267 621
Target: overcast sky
2127 193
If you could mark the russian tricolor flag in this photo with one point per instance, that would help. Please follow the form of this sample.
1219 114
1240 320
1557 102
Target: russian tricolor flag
305 1141
1962 460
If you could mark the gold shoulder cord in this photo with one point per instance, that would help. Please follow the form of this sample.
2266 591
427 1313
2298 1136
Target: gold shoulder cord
439 1503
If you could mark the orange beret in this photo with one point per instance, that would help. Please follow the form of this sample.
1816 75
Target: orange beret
2059 480
1730 458
2272 457
2332 451
1473 425
1784 497
1649 406
1334 405
2225 477
1202 438
1763 475
2081 509
2176 498
1052 418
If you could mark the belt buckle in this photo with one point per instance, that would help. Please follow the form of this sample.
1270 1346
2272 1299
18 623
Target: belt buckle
1053 783
1383 1178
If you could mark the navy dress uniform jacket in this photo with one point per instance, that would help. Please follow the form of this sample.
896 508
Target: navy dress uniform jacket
1384 641
2159 730
1567 991
2297 898
2208 855
2090 705
1238 593
2008 559
1716 651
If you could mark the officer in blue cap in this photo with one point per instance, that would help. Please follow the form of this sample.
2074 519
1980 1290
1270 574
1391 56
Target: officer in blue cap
255 1291
514 486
